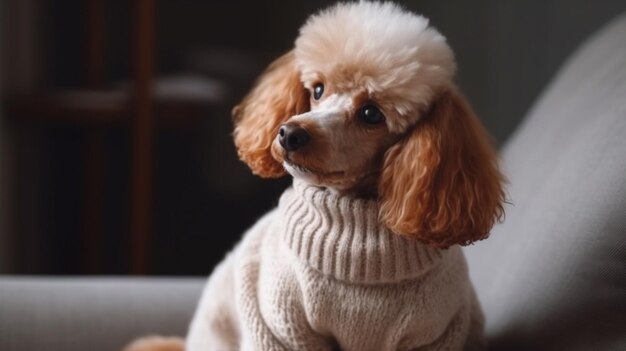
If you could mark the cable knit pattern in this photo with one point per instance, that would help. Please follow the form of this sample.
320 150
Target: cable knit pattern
320 273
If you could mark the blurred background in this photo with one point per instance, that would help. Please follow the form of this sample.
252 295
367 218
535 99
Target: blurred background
115 147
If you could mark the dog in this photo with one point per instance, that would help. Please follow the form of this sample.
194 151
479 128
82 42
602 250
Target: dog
392 173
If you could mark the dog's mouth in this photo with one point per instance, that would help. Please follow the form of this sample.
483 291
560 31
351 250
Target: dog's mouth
307 171
299 168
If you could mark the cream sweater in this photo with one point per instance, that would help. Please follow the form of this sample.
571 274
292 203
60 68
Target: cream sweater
319 273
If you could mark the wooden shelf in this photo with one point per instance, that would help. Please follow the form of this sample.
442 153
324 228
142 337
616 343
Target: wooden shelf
103 108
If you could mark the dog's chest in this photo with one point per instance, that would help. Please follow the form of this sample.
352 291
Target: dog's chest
305 309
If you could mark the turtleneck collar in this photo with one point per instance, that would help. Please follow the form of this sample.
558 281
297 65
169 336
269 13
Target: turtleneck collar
340 236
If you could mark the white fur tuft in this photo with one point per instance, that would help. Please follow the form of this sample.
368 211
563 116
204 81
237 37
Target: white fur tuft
393 52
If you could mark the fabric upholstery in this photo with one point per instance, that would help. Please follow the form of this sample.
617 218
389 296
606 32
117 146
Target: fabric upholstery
91 314
553 275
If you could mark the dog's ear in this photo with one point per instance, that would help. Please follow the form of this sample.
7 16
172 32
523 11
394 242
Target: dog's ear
441 183
277 95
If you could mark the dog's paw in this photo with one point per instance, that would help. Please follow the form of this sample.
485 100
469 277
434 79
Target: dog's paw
156 343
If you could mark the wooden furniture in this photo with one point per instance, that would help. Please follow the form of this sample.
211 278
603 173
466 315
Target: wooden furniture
143 125
95 108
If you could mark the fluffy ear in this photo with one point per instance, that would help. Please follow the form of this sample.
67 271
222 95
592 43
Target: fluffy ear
277 95
441 183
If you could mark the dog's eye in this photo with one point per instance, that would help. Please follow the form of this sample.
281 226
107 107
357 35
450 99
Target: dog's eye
318 90
371 115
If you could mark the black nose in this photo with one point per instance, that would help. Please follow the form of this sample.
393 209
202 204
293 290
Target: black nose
292 137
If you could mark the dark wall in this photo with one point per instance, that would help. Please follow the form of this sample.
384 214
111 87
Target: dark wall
507 50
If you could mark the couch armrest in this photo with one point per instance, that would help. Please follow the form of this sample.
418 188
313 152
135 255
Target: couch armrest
51 313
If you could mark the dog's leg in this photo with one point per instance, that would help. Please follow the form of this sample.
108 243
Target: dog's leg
157 343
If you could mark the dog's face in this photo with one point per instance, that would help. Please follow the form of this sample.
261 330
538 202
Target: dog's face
366 101
341 141
369 71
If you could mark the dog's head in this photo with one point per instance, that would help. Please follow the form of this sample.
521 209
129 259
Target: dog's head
365 102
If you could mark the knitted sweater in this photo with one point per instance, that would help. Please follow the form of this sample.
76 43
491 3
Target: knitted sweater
320 273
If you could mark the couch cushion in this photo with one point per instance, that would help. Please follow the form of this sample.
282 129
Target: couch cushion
96 314
553 275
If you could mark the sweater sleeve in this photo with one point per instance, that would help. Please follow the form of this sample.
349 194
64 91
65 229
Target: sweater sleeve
215 325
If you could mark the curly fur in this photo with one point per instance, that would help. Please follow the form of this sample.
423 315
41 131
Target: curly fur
395 55
441 183
277 95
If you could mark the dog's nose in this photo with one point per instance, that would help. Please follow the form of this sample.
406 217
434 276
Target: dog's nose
292 137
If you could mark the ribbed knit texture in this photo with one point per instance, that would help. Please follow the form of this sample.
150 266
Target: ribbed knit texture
320 273
340 237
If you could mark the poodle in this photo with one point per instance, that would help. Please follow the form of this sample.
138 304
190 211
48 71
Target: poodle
392 173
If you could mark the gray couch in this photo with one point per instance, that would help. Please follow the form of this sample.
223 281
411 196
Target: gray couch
551 277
